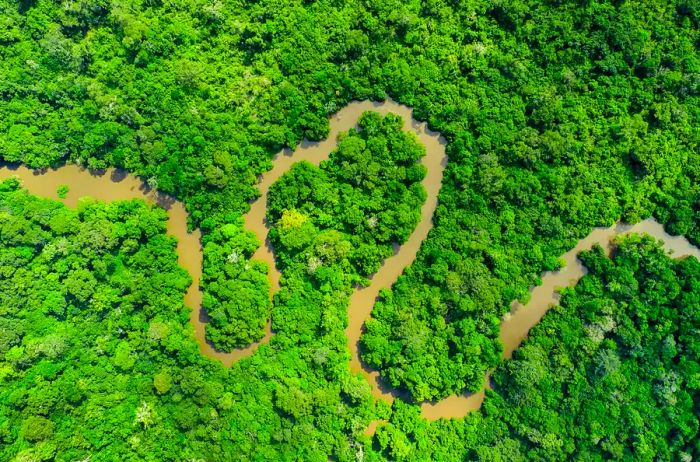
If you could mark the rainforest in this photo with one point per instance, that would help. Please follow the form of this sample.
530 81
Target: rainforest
346 230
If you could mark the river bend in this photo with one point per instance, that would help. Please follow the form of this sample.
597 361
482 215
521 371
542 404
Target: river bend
118 185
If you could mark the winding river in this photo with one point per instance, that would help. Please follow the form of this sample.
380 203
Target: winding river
118 185
516 324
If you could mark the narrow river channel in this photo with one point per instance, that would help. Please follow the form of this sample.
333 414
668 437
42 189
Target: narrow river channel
118 185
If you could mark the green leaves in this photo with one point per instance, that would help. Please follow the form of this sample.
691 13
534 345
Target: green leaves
37 428
560 116
77 333
580 365
236 294
123 356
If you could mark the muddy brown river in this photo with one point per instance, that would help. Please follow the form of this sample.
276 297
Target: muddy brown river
117 185
516 324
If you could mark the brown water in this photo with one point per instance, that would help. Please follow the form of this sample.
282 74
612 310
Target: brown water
516 324
112 185
117 185
362 300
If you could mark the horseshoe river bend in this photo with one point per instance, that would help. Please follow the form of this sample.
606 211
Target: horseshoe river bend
118 185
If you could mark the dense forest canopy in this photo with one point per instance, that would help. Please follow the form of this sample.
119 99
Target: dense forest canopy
369 189
610 374
98 359
92 323
559 116
236 289
100 345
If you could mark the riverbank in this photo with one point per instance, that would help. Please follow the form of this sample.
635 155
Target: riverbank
114 184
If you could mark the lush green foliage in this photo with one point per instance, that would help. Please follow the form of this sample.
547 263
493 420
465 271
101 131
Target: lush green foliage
91 312
236 290
369 189
613 372
97 358
610 374
330 229
560 115
114 313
